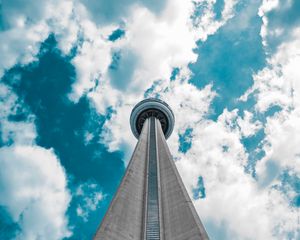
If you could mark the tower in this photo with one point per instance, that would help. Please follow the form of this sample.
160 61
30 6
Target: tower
151 202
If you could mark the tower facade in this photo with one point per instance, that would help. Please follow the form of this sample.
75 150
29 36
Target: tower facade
151 202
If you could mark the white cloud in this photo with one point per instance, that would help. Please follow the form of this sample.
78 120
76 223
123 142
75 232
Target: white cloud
33 184
33 189
92 60
279 20
266 6
189 104
206 22
103 12
89 196
26 26
159 42
19 132
156 39
278 85
20 45
233 197
244 126
282 142
116 133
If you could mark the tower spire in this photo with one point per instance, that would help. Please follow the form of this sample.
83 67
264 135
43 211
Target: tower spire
151 202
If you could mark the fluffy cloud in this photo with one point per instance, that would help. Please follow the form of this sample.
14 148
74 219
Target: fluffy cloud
33 185
204 17
238 197
20 45
25 26
92 60
266 6
159 43
73 23
33 189
233 197
278 85
89 196
103 12
277 27
19 132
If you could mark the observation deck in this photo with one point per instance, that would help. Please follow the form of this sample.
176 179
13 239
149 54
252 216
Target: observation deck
152 107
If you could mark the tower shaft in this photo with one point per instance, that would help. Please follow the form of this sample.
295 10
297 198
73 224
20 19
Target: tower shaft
151 202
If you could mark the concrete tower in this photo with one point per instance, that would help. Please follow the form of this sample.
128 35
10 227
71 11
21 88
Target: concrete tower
151 202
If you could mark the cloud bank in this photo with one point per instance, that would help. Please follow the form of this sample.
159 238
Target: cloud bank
33 183
33 189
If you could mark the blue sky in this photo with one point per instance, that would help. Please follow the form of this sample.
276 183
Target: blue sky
71 71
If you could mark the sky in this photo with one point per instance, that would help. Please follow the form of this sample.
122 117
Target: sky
72 70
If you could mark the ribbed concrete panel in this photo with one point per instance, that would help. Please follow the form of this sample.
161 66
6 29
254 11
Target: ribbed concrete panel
180 220
125 216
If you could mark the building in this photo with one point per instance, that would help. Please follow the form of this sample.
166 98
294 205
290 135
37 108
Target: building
151 202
